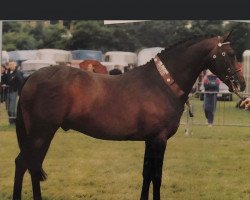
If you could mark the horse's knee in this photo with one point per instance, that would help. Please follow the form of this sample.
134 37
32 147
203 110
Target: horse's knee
18 159
147 169
20 163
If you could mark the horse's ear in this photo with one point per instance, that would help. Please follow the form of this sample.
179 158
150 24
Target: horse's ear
226 36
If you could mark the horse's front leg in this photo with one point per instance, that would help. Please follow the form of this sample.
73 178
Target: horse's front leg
158 156
147 170
152 168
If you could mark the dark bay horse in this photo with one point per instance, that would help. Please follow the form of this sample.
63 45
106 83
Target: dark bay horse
144 104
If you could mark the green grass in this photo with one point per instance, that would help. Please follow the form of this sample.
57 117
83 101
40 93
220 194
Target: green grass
212 163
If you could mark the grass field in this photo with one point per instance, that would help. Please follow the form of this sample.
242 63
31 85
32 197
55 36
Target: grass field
211 164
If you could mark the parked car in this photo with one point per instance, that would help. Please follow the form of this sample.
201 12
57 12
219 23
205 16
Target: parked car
223 94
86 55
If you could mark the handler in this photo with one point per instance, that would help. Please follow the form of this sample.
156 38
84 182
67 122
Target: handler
246 103
211 86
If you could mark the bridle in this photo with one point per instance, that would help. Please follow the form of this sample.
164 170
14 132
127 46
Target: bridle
231 72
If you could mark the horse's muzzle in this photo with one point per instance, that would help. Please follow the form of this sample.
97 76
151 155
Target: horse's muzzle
238 86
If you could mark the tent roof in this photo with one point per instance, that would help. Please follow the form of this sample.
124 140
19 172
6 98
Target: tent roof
22 55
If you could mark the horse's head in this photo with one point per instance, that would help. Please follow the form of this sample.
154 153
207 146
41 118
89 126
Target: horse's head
225 66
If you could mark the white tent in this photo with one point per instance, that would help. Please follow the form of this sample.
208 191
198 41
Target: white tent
246 69
5 57
147 54
21 55
56 55
30 66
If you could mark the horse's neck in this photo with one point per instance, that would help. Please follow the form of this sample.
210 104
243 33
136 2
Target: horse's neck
186 66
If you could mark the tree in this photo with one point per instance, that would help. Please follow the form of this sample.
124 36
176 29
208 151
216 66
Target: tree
22 36
240 37
206 27
37 33
11 26
161 32
52 37
18 41
90 35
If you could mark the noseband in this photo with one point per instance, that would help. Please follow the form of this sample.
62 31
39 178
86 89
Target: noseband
231 73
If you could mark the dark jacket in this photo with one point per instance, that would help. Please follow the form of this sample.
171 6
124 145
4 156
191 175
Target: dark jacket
3 78
3 90
115 72
14 80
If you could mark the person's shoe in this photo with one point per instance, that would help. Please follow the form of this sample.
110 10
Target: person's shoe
210 125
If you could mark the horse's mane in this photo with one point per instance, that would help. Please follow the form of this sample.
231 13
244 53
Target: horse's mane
190 40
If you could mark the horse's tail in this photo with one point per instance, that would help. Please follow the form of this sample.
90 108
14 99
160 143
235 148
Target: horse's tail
20 126
21 134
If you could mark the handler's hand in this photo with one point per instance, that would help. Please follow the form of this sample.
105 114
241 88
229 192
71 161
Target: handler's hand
246 103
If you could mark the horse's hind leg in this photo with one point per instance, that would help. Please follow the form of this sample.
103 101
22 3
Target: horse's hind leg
39 144
21 168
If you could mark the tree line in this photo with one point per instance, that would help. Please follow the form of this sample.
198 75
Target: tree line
94 35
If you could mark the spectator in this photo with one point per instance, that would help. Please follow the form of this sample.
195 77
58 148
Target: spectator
128 68
211 85
90 68
14 79
3 84
115 71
